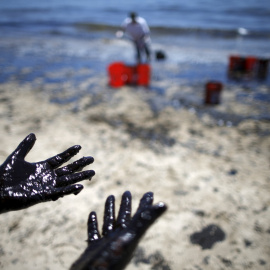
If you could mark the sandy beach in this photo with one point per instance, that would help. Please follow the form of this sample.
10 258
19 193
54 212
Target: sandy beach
207 174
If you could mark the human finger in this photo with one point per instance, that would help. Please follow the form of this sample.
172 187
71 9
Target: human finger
25 146
109 216
93 233
146 200
125 210
63 157
66 180
142 220
78 165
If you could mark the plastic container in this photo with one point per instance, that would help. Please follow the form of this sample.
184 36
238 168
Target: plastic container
116 74
236 67
213 92
121 74
251 66
144 74
130 75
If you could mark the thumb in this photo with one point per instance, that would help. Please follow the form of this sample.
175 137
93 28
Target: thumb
25 146
143 219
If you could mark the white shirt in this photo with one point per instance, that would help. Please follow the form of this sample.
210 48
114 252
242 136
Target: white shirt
136 30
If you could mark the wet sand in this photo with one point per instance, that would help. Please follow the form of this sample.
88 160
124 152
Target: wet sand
208 175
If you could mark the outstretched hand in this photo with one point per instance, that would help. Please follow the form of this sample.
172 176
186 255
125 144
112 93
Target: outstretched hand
23 184
114 250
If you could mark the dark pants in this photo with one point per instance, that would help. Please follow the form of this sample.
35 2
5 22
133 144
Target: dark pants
142 47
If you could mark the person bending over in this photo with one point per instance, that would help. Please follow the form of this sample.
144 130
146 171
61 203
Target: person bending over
136 29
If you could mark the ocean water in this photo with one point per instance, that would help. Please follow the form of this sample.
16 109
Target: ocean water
197 37
180 27
195 14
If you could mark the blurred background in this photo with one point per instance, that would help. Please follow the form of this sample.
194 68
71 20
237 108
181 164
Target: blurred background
197 36
52 41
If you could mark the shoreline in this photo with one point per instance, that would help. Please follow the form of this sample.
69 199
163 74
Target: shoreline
189 60
68 75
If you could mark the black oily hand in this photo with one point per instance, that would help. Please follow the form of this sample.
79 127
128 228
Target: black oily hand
120 238
23 184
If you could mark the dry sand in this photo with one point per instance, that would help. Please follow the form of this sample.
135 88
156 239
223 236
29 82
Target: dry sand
205 173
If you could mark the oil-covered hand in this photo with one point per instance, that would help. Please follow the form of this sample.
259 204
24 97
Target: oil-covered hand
114 250
23 184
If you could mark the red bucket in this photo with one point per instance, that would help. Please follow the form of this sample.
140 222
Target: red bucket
212 92
120 74
144 74
130 74
116 74
236 66
251 66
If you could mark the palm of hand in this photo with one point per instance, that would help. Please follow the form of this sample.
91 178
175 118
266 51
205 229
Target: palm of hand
26 179
23 184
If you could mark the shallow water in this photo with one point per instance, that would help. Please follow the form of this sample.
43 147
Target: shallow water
196 14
